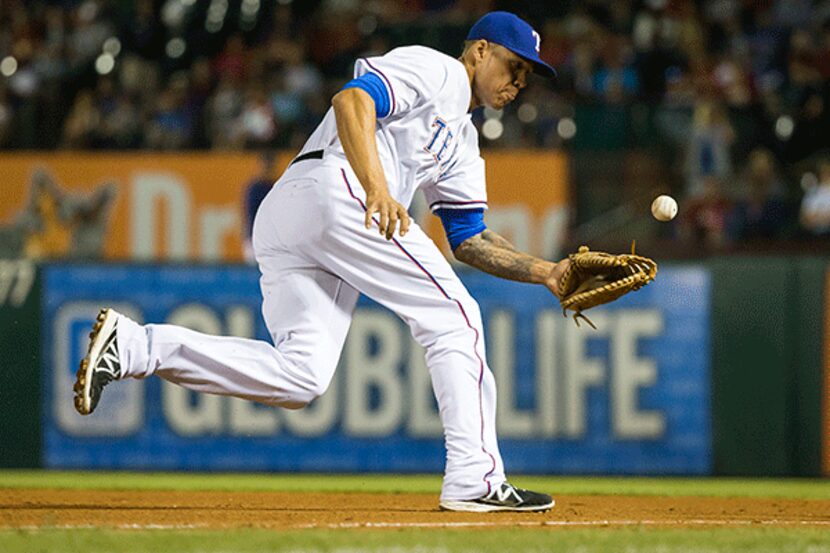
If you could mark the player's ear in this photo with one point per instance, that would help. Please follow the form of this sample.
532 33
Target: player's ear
481 49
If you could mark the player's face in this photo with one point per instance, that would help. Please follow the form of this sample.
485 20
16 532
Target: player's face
500 77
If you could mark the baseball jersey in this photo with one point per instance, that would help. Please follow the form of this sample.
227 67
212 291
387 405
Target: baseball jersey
427 140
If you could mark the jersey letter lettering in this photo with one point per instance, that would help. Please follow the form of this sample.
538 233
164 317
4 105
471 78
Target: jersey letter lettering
440 127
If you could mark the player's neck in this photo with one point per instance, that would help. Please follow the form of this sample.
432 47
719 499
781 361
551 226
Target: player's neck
474 101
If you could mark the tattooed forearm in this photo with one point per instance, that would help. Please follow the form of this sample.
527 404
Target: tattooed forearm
492 254
497 240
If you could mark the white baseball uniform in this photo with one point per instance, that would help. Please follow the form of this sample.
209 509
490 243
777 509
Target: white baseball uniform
316 256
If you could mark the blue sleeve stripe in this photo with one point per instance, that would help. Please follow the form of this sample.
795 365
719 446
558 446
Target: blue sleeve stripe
460 224
373 85
386 79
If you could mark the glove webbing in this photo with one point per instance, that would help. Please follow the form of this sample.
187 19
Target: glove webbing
641 271
604 294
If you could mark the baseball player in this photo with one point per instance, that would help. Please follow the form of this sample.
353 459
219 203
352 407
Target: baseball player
326 233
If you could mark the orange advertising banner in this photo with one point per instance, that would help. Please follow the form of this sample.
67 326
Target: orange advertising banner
189 207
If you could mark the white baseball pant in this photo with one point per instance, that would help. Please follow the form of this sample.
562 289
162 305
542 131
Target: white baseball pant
316 256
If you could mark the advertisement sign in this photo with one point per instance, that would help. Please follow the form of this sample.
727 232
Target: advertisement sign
189 206
630 398
139 206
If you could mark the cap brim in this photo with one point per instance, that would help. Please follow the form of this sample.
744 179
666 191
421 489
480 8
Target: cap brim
543 69
539 67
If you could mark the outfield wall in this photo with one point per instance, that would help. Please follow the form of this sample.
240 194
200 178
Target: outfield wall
705 371
20 367
768 340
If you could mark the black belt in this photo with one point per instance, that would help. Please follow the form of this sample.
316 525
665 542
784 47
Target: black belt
313 154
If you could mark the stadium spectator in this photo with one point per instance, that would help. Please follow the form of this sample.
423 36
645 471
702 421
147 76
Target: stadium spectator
233 61
223 111
815 207
80 130
803 63
90 28
708 157
670 53
142 34
706 217
732 80
654 36
824 51
762 212
171 125
198 97
288 108
809 135
5 118
257 125
301 77
616 82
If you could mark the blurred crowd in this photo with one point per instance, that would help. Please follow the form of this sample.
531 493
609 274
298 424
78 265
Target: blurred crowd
737 89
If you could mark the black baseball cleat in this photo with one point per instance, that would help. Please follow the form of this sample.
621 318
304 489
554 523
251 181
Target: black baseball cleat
101 365
504 497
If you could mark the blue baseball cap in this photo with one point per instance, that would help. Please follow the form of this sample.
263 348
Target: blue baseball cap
515 34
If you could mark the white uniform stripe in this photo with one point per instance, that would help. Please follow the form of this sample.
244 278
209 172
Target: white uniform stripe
474 204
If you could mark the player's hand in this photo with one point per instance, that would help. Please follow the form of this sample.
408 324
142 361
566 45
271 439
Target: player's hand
552 282
391 213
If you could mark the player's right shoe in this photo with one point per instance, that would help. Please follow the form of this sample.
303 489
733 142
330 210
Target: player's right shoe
505 497
101 365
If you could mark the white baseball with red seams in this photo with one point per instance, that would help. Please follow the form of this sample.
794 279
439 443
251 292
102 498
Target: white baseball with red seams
316 257
664 208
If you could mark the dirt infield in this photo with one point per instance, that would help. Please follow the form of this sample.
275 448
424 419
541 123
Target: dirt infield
21 508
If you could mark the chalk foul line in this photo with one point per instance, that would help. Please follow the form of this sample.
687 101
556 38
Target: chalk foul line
566 523
113 527
448 524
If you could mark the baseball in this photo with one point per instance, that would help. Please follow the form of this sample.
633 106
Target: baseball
664 208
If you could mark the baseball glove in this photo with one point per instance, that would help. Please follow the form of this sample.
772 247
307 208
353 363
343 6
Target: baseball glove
595 278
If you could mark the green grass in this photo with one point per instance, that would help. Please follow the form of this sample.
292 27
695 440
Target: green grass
630 540
373 483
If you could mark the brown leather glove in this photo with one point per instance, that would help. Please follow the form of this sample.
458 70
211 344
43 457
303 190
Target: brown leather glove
595 278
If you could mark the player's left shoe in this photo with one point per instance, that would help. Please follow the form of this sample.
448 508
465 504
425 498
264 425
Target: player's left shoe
101 365
505 497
